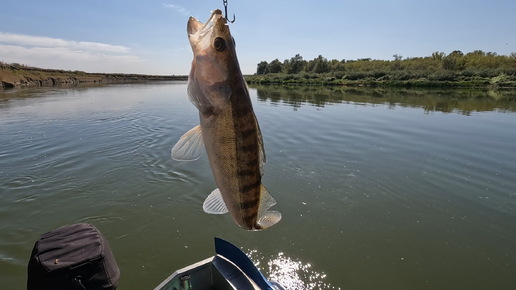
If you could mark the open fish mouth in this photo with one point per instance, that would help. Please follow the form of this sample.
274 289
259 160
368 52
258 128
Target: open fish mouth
197 31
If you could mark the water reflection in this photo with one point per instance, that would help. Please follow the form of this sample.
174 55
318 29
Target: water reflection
291 273
457 101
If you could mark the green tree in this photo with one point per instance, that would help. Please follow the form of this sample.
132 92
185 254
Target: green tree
396 64
296 64
453 61
321 65
275 66
262 68
438 55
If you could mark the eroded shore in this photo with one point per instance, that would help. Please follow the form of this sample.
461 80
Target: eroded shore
14 75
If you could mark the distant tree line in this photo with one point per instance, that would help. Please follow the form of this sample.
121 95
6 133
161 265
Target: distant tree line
455 66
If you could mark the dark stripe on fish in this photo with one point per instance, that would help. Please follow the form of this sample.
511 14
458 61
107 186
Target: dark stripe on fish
251 162
248 187
245 134
250 203
250 220
249 148
242 110
246 173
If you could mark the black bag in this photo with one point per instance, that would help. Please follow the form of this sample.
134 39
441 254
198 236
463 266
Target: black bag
72 257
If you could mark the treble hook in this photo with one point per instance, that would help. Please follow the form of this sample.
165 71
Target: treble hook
225 2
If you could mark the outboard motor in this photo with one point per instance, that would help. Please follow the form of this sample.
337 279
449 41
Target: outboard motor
73 257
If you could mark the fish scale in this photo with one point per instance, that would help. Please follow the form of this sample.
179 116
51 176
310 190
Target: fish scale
234 138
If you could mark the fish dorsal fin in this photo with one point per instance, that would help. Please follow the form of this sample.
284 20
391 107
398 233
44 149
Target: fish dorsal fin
267 218
214 204
189 146
261 150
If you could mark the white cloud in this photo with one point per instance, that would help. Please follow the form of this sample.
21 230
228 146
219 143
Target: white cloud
177 8
41 41
58 53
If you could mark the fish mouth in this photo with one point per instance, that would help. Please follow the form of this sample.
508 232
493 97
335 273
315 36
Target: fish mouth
196 29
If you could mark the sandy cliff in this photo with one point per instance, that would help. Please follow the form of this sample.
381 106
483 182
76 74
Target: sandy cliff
15 75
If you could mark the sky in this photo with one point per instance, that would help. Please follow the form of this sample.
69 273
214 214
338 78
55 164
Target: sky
149 36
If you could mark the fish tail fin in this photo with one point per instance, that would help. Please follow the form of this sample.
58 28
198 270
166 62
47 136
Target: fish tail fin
267 218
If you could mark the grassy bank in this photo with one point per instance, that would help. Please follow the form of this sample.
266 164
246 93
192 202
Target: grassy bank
387 80
17 75
456 69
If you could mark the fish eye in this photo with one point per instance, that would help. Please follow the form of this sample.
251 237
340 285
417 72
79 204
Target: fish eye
220 44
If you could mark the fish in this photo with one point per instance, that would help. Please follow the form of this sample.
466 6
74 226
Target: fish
228 128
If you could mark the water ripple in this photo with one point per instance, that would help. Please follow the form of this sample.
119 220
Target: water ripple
353 179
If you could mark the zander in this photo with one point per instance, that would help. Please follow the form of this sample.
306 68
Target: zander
228 129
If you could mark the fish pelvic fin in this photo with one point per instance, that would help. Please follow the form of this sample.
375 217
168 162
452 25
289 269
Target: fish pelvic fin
267 218
189 147
214 204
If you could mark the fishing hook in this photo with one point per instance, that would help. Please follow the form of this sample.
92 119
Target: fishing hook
225 2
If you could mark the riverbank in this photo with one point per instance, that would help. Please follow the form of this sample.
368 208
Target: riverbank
16 75
385 80
477 69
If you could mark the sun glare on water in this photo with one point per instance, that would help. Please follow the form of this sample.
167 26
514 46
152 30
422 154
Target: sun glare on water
290 273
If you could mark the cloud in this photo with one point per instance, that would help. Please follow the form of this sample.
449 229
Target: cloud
41 41
58 53
177 8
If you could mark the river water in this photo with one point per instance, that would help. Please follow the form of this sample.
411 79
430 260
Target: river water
379 189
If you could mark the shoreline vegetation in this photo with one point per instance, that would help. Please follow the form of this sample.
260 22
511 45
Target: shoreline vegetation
18 75
477 69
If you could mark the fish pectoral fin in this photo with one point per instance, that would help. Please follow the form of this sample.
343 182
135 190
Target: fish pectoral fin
214 204
267 218
189 147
